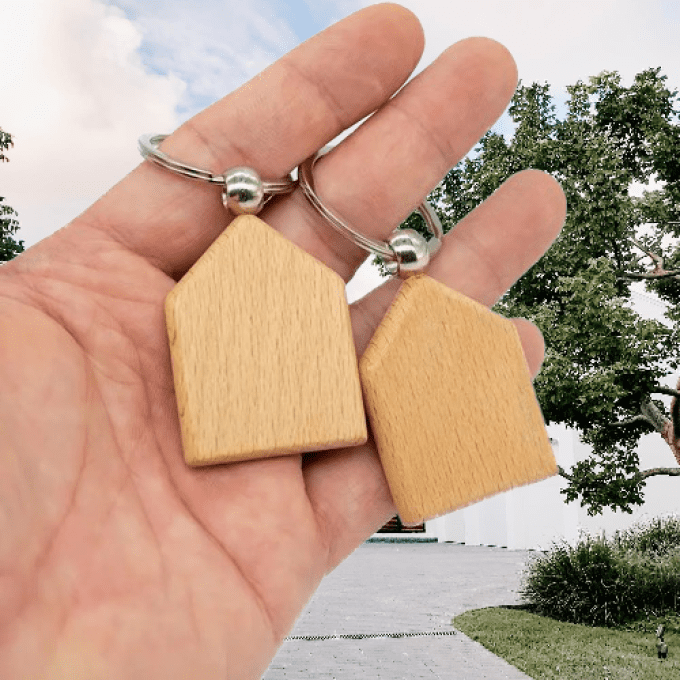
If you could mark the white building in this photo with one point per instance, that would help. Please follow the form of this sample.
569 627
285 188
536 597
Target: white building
534 516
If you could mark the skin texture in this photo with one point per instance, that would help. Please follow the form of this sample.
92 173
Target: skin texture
118 561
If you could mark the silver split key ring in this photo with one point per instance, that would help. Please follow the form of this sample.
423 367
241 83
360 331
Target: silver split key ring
244 192
405 252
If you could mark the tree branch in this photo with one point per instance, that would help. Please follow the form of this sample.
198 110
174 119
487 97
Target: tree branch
644 474
666 390
675 419
634 276
651 415
632 421
657 258
657 273
671 472
651 411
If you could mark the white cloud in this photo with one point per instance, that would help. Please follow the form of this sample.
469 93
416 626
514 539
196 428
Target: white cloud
561 41
75 97
81 79
212 45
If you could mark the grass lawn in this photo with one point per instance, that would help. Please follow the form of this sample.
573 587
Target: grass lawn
544 648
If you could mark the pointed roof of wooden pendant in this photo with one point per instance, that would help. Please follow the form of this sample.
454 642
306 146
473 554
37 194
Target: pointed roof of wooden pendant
451 402
262 351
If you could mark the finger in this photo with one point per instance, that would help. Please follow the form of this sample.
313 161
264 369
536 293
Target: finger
272 123
532 344
391 162
484 254
351 500
488 250
495 244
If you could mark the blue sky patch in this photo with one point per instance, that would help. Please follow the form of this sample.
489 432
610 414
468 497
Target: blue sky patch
214 46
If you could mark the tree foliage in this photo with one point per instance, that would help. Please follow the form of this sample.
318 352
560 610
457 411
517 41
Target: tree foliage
9 246
605 365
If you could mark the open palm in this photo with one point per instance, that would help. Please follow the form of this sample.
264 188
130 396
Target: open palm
116 559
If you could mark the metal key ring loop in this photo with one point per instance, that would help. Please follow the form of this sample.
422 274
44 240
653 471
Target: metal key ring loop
244 191
405 252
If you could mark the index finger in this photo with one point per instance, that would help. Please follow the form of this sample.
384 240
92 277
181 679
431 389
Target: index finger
272 123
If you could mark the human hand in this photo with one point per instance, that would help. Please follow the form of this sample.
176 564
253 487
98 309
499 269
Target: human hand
116 559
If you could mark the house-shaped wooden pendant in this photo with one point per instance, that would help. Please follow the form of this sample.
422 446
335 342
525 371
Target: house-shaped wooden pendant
451 403
262 351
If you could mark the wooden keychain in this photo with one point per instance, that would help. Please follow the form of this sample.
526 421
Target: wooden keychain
446 387
260 336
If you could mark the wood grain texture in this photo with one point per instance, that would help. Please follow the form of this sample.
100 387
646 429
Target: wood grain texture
451 402
262 351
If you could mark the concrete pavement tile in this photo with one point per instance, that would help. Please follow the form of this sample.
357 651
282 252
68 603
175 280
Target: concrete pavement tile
443 658
402 588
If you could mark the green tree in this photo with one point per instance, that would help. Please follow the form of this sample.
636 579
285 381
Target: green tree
9 246
605 365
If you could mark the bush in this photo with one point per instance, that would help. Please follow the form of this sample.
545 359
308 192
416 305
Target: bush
659 537
657 581
608 583
587 583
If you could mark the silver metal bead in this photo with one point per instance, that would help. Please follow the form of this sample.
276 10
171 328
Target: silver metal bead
243 192
411 251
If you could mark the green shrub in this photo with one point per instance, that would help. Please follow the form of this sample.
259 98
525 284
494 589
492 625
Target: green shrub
659 536
607 583
657 581
587 583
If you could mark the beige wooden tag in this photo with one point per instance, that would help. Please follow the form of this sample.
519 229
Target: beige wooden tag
262 351
450 402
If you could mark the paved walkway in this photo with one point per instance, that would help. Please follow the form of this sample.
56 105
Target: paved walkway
407 588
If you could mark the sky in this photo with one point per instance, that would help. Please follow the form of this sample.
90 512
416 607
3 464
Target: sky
80 80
